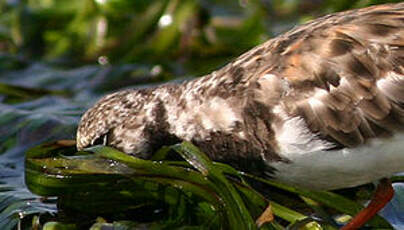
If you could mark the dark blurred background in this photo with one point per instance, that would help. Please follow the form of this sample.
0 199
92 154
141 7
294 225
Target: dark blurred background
58 56
167 38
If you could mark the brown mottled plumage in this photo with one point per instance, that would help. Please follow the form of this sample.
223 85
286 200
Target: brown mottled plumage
333 86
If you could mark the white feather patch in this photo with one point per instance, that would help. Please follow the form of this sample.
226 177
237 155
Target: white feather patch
200 119
390 84
294 138
328 170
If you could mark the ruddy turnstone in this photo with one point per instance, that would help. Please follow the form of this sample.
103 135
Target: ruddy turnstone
321 106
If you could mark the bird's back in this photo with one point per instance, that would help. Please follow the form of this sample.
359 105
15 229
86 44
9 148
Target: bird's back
325 94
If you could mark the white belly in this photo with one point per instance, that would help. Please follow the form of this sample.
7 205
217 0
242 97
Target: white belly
343 168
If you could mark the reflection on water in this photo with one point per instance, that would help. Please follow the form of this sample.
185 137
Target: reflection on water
394 211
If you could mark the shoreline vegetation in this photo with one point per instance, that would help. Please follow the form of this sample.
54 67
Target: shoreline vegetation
57 57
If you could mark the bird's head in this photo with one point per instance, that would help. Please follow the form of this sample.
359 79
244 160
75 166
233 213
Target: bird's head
93 128
96 123
120 120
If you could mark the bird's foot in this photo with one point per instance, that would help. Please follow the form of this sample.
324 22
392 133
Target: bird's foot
383 194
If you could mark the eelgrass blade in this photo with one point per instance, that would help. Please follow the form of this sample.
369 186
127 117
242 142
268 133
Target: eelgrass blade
329 199
20 94
72 178
397 179
230 200
59 226
238 213
18 206
234 200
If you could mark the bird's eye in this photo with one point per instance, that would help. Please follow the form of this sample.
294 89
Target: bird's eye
101 140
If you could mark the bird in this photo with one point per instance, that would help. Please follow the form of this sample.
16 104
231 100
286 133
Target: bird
320 106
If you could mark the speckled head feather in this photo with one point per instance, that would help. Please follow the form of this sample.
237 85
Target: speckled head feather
334 84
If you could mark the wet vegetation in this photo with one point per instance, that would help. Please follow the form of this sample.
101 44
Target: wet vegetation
58 56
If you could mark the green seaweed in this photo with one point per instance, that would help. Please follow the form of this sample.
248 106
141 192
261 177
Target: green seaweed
190 192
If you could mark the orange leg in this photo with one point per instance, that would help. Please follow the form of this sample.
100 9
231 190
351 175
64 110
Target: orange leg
384 193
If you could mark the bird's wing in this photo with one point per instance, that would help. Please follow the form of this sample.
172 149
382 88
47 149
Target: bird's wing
344 73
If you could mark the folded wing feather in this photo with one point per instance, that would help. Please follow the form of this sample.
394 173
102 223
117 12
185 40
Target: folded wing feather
346 74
